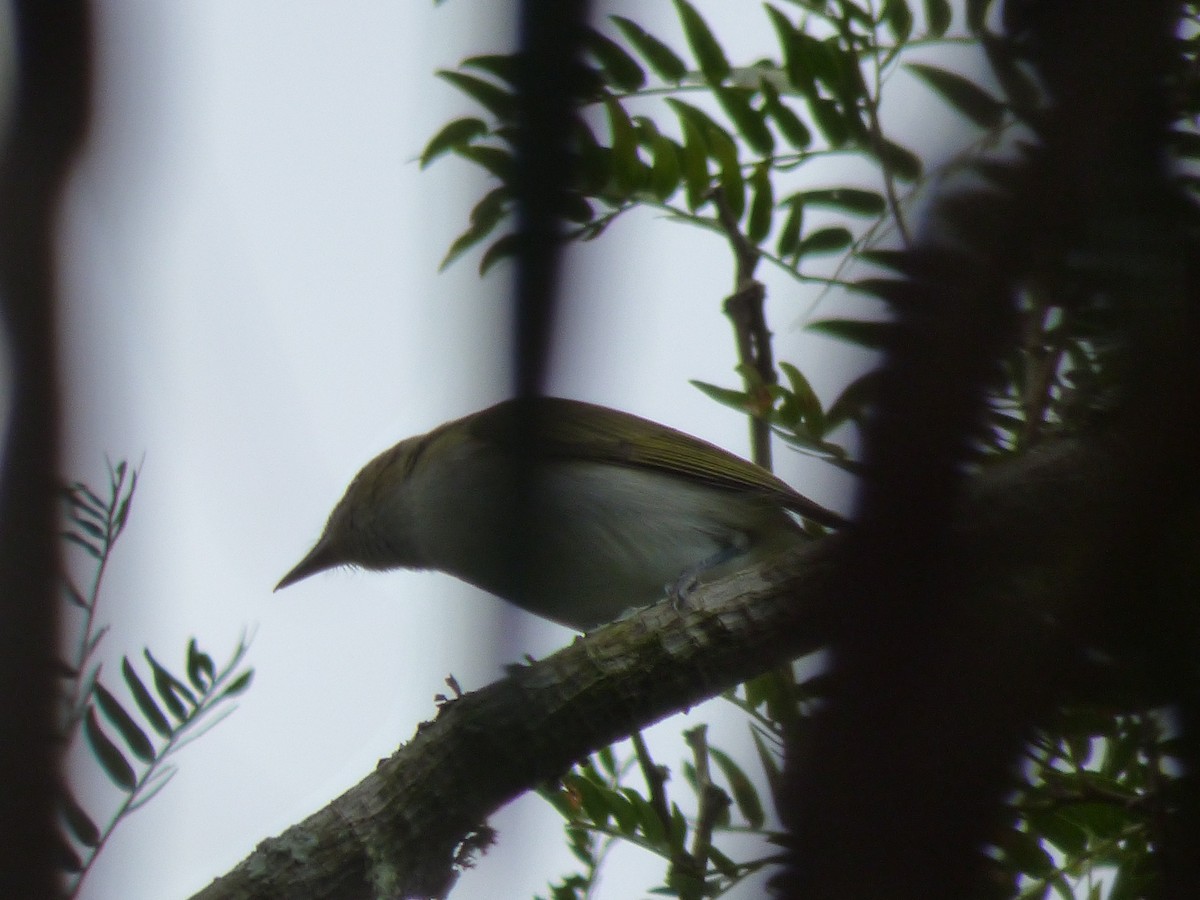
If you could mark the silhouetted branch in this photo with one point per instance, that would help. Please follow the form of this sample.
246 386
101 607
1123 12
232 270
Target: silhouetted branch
52 42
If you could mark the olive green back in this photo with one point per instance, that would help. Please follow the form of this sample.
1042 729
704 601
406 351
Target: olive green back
551 427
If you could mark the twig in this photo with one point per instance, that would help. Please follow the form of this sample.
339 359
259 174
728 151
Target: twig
745 309
713 800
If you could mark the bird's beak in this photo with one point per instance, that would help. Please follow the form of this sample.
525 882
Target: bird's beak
320 557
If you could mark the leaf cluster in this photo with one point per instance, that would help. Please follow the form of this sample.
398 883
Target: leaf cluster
130 733
601 806
1094 798
661 128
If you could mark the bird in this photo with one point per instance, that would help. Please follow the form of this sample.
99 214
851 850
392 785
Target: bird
572 511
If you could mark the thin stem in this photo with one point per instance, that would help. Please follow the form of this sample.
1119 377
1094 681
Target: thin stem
871 98
91 601
655 779
744 307
712 800
157 769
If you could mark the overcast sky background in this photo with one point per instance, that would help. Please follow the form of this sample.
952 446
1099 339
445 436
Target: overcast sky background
253 310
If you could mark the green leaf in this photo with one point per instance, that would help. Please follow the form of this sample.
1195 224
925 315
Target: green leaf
620 68
733 185
789 236
577 209
762 206
624 812
170 688
239 684
111 760
76 539
899 18
749 122
826 240
679 828
592 796
501 249
822 60
793 129
592 160
455 134
937 15
491 97
662 59
1064 834
719 146
854 401
65 857
895 260
807 402
491 208
723 863
744 794
718 142
130 731
607 760
851 200
964 95
83 495
770 764
143 699
799 69
736 400
79 823
1022 93
872 335
81 505
830 121
849 88
1026 854
704 45
123 508
696 177
628 169
200 668
502 65
560 798
850 11
653 828
496 161
665 169
465 241
74 594
900 161
92 529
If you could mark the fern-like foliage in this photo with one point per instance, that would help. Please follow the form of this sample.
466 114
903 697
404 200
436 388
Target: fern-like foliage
744 148
130 732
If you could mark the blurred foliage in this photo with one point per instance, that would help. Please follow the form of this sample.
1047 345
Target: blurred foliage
683 129
130 733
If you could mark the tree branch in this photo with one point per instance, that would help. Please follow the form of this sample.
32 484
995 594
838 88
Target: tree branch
408 827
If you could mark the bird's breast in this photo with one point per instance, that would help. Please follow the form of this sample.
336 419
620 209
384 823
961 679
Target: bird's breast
580 542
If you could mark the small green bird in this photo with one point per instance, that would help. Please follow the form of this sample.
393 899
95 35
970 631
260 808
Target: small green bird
572 511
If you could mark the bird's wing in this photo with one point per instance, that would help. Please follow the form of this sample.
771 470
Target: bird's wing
554 427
